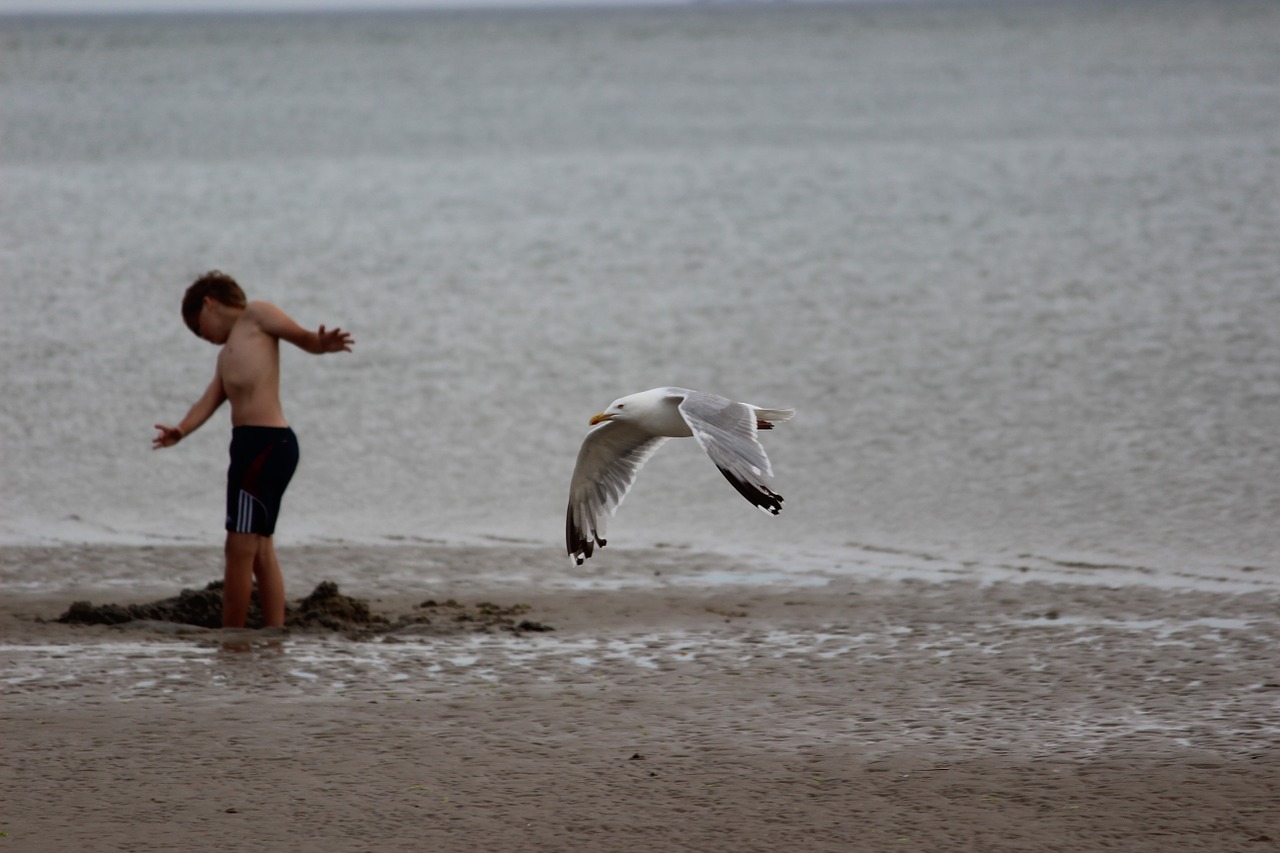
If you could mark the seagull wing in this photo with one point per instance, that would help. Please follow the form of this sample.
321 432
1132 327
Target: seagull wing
727 432
610 457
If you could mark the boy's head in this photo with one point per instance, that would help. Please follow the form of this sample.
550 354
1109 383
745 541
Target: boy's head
216 284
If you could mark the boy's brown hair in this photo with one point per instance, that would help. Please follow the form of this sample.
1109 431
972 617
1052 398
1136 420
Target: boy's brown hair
217 284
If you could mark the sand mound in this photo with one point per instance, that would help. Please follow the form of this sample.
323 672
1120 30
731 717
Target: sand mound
326 608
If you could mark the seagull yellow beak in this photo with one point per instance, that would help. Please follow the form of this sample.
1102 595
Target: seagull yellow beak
601 418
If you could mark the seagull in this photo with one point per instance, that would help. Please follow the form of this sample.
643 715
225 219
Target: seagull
627 433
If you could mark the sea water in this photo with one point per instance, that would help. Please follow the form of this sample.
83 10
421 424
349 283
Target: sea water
1015 265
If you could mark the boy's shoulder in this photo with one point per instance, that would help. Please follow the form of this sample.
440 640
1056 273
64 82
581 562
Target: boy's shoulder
271 320
263 314
258 318
258 307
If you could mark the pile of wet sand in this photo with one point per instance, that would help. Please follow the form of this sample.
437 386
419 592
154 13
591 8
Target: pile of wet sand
326 608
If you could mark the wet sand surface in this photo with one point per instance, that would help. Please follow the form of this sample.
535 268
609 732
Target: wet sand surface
681 702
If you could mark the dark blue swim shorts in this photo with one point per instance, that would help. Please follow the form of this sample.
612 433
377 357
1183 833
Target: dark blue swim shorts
263 460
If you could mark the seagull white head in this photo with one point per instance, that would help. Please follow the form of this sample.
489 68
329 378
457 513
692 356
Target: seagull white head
614 412
628 407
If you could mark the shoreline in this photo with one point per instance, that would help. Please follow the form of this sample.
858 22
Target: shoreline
862 714
406 562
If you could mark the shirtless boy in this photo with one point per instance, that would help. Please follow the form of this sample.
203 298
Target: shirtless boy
264 450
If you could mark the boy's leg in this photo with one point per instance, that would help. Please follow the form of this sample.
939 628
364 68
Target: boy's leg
237 579
250 557
266 569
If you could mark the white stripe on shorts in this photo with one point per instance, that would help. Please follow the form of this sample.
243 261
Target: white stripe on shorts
244 518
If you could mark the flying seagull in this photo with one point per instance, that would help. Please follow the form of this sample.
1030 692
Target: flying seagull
627 433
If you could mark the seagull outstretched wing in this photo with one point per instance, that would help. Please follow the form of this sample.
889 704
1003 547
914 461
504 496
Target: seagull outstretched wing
726 431
610 457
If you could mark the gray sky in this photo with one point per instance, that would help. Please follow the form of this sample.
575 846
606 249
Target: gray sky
98 6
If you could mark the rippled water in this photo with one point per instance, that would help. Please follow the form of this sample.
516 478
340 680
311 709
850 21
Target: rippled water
1015 266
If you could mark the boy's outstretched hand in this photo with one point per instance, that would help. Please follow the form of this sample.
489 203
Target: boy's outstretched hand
334 340
168 437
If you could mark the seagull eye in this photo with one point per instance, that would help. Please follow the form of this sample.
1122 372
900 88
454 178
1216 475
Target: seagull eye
622 405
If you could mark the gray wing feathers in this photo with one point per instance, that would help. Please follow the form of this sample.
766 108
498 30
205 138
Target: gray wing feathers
726 431
608 462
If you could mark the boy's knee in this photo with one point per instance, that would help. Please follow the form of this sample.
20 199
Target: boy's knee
242 545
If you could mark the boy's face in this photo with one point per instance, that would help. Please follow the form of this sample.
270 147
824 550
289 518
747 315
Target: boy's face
212 324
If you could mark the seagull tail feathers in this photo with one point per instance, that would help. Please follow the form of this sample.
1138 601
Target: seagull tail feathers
766 418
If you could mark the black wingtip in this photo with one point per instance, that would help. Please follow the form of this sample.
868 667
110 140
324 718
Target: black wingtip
580 547
762 497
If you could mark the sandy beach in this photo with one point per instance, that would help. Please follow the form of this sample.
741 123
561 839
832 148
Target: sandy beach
671 708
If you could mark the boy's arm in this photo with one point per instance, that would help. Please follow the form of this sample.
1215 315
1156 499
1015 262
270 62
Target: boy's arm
200 412
275 322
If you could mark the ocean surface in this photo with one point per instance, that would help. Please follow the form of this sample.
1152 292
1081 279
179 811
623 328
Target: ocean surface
1017 267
